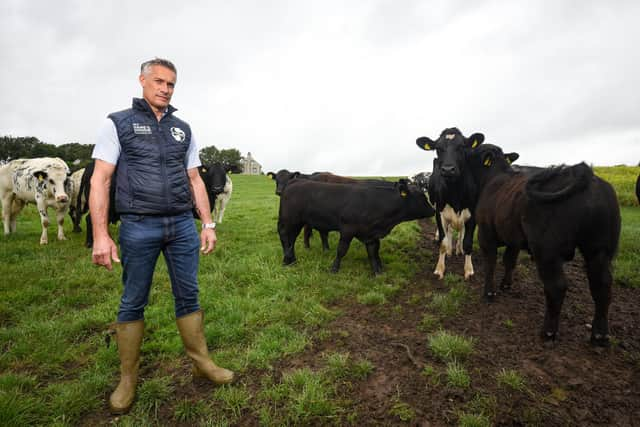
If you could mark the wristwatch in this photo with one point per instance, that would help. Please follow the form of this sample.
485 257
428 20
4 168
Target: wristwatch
211 225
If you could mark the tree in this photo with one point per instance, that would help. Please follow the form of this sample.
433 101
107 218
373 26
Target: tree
209 155
229 157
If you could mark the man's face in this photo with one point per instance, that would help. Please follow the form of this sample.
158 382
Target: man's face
157 86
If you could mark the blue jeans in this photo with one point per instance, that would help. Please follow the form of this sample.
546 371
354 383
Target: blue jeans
141 240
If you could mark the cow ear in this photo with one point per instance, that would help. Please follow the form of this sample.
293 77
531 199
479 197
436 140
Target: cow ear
511 157
403 187
40 175
271 175
425 143
487 159
295 175
474 140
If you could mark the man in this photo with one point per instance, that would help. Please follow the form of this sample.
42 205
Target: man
157 186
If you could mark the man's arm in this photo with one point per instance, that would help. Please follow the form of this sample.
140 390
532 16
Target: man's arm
104 248
201 201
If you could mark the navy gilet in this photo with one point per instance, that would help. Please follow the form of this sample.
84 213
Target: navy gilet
151 176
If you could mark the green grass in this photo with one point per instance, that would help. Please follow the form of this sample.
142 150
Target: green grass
457 375
449 347
55 309
512 379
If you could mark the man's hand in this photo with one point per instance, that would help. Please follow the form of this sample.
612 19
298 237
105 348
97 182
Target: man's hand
208 240
104 250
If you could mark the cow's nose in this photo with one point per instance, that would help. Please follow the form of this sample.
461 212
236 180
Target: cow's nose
448 170
62 198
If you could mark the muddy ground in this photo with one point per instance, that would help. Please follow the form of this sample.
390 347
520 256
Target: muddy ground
568 383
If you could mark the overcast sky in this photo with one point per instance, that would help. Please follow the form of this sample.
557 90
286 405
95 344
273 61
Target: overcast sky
344 86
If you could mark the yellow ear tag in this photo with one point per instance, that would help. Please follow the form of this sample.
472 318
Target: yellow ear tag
475 143
487 162
204 170
508 160
403 193
427 147
40 178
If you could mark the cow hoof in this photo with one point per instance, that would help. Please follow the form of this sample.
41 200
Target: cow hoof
599 340
44 242
439 274
286 261
549 336
505 287
334 270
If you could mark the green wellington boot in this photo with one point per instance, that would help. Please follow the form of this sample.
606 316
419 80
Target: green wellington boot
129 339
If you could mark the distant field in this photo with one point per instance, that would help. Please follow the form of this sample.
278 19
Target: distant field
55 307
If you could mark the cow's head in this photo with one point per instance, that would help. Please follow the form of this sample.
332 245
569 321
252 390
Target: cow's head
414 199
54 180
214 177
282 178
451 148
489 159
421 180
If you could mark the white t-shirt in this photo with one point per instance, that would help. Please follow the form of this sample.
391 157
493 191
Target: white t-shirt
108 146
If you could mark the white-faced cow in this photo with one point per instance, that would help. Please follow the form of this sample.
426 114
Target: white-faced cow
453 193
219 187
550 214
366 212
43 181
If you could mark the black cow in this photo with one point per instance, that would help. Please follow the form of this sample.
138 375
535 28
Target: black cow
82 204
219 187
638 188
550 214
366 212
453 193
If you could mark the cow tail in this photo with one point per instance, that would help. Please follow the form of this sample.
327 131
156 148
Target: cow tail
558 183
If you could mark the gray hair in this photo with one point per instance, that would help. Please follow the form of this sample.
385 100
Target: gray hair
145 67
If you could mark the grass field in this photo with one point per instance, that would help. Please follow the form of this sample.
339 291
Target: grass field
55 308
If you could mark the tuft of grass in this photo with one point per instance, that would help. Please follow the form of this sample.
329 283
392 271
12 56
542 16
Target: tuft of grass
449 303
372 298
17 409
428 323
235 398
403 411
152 393
457 375
340 366
508 323
189 411
449 347
473 420
483 405
511 379
430 373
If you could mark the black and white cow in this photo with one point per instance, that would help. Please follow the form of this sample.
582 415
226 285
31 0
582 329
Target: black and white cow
550 214
219 187
365 212
43 181
453 193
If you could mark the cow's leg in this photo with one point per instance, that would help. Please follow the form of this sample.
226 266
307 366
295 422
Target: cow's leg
16 208
288 236
7 209
373 253
459 249
443 229
44 218
76 216
60 214
467 246
223 204
555 288
343 247
509 260
308 231
324 236
600 280
89 241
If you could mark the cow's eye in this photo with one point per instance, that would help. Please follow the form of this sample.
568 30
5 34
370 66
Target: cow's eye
50 181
